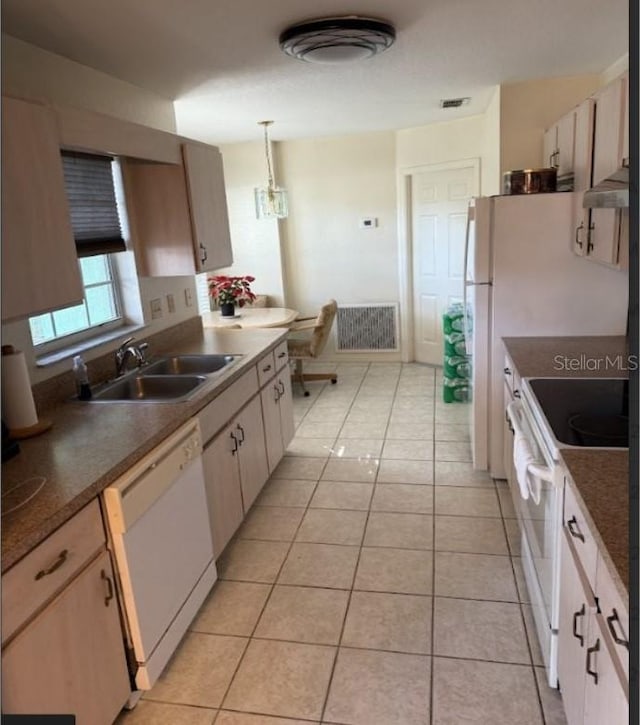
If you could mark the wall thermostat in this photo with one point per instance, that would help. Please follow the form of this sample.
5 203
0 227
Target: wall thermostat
368 222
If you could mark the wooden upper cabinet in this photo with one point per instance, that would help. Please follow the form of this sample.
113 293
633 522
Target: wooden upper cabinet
40 269
159 223
178 214
208 203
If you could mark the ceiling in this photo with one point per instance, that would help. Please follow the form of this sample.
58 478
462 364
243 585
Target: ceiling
220 59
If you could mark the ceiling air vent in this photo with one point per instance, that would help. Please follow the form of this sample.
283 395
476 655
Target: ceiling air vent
454 102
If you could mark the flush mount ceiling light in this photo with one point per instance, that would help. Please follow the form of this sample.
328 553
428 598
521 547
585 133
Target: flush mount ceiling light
271 201
337 40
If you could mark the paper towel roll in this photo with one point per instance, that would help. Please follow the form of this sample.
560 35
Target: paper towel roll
18 408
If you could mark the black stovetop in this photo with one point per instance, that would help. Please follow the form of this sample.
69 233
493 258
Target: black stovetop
589 412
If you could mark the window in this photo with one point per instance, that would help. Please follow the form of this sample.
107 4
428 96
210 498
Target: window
101 307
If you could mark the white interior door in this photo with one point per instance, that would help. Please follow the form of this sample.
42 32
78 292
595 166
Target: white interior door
439 201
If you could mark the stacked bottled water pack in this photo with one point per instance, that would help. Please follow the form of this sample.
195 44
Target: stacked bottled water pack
457 365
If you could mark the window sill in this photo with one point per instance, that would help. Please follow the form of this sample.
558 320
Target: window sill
51 358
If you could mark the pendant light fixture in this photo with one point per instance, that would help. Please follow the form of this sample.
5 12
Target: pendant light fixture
337 40
271 202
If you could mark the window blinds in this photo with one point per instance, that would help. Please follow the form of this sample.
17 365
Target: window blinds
92 202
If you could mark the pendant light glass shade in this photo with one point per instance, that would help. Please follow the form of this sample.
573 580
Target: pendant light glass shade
271 201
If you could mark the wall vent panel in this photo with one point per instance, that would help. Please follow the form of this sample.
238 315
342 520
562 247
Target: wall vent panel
368 328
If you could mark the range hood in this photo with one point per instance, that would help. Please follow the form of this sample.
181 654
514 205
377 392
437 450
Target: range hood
612 192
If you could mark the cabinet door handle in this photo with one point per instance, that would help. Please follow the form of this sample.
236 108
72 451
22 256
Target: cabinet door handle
507 371
203 253
235 444
572 525
516 393
589 242
579 613
241 429
618 640
62 557
280 383
276 393
577 238
590 651
109 583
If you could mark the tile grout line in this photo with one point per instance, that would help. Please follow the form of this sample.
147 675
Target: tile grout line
433 567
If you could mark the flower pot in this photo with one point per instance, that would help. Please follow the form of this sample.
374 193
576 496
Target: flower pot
227 309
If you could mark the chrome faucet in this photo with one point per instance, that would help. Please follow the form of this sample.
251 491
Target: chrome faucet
125 351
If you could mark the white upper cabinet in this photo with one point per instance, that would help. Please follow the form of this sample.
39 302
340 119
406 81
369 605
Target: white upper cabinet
611 110
208 204
40 269
559 144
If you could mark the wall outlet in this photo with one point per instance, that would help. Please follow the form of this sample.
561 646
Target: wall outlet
188 297
368 222
156 309
171 304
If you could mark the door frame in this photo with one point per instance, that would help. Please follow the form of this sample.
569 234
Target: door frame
405 242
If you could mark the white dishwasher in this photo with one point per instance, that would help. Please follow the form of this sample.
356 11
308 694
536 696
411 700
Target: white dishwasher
159 524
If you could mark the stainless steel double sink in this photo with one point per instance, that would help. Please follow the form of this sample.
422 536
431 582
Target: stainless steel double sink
172 379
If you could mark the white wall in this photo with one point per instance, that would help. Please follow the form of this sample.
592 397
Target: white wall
255 242
29 72
528 108
333 183
490 180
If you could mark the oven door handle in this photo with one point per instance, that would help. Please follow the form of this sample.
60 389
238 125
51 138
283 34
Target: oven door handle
530 472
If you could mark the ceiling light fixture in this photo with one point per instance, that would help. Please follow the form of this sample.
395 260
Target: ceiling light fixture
337 40
271 202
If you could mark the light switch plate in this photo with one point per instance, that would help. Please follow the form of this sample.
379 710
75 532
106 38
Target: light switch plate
156 309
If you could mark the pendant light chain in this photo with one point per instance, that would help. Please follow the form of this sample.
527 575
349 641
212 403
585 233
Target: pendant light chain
267 151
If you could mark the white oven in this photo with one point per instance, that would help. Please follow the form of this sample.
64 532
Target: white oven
539 509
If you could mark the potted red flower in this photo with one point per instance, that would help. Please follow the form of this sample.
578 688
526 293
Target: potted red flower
228 292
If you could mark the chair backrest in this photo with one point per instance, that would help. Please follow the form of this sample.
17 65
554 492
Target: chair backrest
324 321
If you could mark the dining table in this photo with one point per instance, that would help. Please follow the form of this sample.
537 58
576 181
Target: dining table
246 317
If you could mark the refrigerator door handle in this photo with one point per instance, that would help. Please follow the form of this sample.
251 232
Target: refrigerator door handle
467 282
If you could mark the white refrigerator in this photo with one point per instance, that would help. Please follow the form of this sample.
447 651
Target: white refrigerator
522 279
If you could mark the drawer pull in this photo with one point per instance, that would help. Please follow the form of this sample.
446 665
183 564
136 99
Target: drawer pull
62 557
579 613
281 355
618 640
590 651
266 368
516 393
105 578
575 532
507 371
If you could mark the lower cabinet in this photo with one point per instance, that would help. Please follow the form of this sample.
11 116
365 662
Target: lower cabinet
70 659
277 412
236 469
592 679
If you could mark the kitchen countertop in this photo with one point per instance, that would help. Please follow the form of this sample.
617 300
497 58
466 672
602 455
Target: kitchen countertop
91 444
599 477
566 357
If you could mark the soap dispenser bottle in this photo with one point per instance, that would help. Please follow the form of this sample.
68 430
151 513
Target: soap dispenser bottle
82 378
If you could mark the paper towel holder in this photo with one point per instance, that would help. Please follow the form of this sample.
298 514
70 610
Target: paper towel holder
41 426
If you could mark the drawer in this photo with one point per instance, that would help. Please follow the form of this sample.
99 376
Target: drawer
37 578
220 411
615 615
584 544
266 369
281 354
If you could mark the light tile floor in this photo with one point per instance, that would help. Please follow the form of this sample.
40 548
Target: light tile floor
376 581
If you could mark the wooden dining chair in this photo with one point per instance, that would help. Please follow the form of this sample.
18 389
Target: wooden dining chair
311 346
